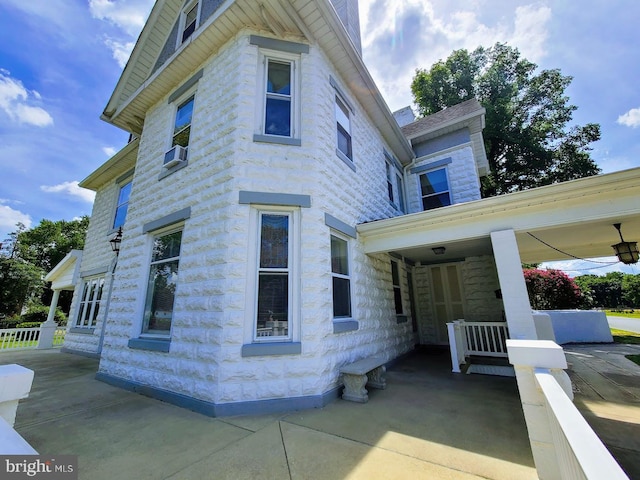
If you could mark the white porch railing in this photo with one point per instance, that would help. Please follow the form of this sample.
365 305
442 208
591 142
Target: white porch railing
488 339
28 338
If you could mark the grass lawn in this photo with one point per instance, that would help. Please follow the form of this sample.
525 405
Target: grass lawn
635 314
622 336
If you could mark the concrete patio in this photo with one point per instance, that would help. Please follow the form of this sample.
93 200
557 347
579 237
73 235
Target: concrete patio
428 423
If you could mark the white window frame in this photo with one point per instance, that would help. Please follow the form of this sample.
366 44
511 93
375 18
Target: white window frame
448 191
343 105
343 276
264 57
121 185
97 295
180 102
293 307
145 291
183 18
397 288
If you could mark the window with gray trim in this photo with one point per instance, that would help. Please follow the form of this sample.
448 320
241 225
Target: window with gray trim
343 129
434 186
397 289
89 306
341 281
182 124
162 283
123 204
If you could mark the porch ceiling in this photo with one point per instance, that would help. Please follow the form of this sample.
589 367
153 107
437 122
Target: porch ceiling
575 217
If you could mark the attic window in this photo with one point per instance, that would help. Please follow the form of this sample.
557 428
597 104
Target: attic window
189 20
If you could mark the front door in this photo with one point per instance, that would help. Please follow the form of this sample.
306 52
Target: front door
447 298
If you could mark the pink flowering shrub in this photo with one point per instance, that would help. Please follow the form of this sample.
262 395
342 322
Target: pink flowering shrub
551 289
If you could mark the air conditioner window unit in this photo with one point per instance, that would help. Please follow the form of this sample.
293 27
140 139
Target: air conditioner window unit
176 155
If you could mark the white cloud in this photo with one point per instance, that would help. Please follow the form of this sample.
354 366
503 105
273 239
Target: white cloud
120 50
129 15
109 151
15 101
631 118
10 217
70 188
530 33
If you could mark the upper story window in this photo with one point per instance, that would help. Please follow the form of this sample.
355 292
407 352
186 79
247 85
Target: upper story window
341 281
343 124
278 109
122 205
182 124
395 184
161 287
435 190
189 20
90 302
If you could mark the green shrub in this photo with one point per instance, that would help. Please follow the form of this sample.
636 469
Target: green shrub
39 313
28 324
10 322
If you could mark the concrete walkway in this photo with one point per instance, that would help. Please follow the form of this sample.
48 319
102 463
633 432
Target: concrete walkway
607 392
427 424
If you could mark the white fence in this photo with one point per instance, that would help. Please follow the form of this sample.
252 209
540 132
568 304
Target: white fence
488 339
28 338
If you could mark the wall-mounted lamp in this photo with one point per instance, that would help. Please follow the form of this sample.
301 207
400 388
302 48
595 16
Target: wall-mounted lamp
115 241
627 252
439 250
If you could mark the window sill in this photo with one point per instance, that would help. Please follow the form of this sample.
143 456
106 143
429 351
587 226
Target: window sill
401 319
151 344
340 326
82 330
271 348
168 171
346 160
296 142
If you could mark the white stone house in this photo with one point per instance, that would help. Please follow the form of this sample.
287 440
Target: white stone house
277 222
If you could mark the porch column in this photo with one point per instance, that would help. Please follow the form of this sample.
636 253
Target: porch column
48 328
514 289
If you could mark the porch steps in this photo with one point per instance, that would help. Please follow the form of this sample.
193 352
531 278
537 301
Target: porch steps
490 366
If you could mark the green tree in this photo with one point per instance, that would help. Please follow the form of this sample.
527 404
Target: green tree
527 136
605 291
19 282
631 290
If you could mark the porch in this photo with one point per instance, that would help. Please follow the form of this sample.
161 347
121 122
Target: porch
428 423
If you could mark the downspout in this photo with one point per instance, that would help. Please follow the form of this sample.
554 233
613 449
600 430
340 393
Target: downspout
112 269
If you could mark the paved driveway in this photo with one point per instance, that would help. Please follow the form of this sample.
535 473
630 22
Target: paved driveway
427 424
624 323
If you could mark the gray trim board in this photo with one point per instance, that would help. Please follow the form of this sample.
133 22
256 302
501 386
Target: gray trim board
332 222
151 344
432 165
341 326
296 142
125 176
392 159
280 45
267 198
257 407
168 171
343 97
346 160
167 220
94 271
80 353
184 88
271 348
82 331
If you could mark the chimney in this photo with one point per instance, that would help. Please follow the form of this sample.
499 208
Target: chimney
348 13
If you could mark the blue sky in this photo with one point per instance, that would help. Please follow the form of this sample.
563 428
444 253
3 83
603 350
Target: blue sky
56 80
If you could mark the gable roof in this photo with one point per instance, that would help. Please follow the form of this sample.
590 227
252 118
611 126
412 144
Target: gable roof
65 274
468 113
313 21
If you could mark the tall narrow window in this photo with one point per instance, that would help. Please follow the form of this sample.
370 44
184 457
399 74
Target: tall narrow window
397 290
340 276
435 189
274 276
189 21
400 187
390 182
90 302
123 205
278 98
161 287
182 125
343 124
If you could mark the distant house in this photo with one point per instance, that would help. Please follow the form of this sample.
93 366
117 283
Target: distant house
276 221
